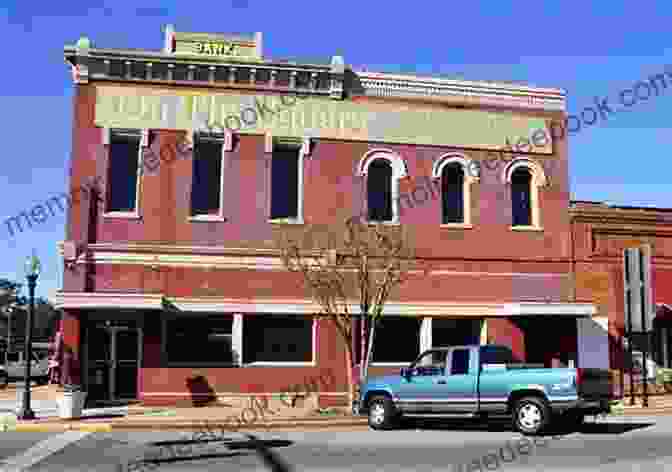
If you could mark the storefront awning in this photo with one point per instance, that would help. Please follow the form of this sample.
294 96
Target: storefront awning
107 300
307 307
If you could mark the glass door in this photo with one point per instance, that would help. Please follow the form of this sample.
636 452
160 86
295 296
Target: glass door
99 346
126 354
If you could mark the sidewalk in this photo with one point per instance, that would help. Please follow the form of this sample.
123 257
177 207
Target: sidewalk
186 419
658 405
237 414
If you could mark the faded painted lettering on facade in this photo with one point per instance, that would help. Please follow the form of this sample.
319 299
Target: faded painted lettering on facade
306 116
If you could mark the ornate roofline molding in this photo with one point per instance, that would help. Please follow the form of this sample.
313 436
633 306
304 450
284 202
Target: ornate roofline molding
158 67
378 84
161 67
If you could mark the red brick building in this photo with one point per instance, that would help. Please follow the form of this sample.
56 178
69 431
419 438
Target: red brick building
206 147
600 233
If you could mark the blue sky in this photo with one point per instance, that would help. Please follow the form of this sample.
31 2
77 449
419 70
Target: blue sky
588 49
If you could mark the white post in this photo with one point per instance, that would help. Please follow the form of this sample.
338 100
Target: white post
237 337
426 334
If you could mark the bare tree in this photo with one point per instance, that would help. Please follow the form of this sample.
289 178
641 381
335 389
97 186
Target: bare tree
362 266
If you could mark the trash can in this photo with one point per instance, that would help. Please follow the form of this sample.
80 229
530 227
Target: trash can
71 404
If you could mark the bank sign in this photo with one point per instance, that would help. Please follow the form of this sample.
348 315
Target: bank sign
292 117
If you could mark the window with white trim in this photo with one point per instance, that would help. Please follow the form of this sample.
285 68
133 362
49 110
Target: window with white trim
452 193
448 332
278 339
455 172
525 177
382 169
285 177
123 171
379 191
207 183
396 340
200 340
521 197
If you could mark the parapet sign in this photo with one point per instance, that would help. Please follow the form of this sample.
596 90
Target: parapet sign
213 46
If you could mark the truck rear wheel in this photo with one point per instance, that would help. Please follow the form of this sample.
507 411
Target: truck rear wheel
530 415
382 413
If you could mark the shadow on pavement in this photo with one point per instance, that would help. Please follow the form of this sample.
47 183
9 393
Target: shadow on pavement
262 448
611 428
495 425
504 425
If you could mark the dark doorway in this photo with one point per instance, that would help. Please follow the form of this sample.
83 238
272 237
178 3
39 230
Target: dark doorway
549 340
113 359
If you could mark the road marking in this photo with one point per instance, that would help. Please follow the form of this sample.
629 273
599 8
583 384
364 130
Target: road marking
42 450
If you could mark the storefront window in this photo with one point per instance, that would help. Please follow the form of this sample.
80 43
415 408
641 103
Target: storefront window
200 340
277 339
396 340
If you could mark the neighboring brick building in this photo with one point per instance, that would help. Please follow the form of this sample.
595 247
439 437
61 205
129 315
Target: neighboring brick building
174 274
600 233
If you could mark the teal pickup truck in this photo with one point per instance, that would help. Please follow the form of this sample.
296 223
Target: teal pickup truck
479 381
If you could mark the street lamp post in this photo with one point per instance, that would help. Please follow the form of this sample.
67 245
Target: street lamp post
32 273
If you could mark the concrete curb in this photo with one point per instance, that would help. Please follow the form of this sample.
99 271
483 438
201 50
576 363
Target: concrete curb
181 426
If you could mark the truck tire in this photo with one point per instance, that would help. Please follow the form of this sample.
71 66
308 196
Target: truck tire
382 413
530 415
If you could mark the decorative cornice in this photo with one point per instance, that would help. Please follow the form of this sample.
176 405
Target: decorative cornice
604 214
378 84
161 67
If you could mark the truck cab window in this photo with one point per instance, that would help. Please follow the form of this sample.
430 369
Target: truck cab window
459 364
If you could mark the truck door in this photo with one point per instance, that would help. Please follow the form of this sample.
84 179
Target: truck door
424 389
462 380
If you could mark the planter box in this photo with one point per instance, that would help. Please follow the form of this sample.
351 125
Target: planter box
71 404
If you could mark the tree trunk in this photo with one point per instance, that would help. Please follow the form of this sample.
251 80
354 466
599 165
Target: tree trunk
349 365
369 348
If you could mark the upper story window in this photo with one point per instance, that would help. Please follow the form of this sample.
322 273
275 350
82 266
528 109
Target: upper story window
285 182
521 197
286 178
382 171
124 167
454 172
379 191
525 178
208 178
452 193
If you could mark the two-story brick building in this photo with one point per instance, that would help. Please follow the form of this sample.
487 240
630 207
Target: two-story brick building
174 274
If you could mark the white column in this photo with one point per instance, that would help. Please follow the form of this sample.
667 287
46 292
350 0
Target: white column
426 334
484 332
592 342
237 337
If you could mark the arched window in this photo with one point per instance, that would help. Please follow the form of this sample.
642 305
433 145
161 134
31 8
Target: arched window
525 177
379 190
456 174
521 197
382 169
452 193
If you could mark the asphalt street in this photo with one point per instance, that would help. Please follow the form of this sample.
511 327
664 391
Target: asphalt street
613 444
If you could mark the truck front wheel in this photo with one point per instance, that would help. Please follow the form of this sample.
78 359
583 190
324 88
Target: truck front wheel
382 413
530 415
